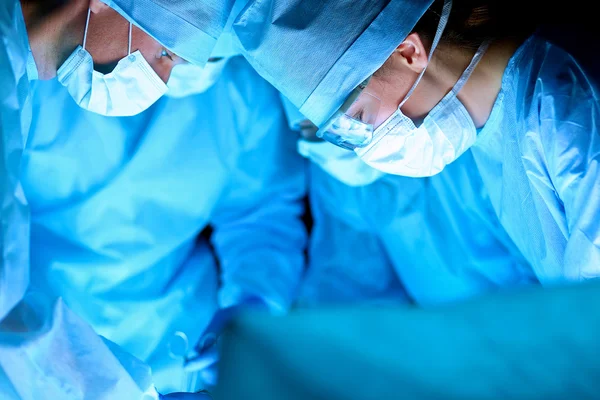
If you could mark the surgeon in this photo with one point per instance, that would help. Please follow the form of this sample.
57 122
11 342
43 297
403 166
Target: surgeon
43 345
409 86
376 236
147 225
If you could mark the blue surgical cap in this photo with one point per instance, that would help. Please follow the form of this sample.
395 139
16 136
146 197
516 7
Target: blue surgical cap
189 28
316 52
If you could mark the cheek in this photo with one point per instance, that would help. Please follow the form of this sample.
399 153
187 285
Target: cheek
162 66
107 40
388 92
387 109
150 49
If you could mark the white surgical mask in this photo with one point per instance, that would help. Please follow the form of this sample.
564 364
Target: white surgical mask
190 79
129 89
399 147
340 163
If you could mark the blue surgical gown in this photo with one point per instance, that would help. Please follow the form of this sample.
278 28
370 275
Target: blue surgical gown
347 262
539 156
118 206
46 351
15 117
341 251
439 234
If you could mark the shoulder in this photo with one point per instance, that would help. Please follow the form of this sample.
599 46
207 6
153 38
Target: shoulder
551 72
561 105
552 92
14 46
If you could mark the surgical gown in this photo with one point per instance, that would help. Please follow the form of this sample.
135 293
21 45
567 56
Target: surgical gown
539 156
46 351
118 206
346 263
15 117
440 234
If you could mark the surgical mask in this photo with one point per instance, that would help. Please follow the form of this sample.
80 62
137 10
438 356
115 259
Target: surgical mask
340 163
190 79
129 89
399 147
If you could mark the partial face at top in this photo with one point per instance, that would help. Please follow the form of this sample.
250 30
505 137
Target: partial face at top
107 42
376 99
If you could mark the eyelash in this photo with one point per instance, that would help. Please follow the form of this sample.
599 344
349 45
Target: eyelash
358 116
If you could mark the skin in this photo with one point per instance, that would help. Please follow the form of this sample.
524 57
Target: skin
54 37
446 66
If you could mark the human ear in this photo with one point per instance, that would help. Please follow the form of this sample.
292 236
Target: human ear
412 53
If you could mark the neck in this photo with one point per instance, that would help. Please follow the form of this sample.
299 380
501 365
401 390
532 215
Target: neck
481 90
443 71
55 35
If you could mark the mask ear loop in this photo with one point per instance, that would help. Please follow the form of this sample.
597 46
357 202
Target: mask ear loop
447 7
438 34
129 46
474 61
87 24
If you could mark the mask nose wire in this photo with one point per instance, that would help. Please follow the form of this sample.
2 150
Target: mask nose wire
87 24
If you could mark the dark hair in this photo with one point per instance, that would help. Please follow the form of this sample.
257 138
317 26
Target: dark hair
44 7
473 21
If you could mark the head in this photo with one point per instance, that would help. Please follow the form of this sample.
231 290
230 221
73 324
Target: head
128 50
56 28
107 42
470 23
310 52
350 78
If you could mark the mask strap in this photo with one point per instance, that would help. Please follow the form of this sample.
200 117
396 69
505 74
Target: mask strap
87 24
129 47
467 73
438 34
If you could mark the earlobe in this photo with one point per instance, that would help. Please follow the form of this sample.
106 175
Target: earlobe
413 53
97 6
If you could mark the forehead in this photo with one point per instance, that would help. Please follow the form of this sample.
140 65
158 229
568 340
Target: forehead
365 93
377 86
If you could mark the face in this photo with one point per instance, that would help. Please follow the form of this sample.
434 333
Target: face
390 85
108 39
379 99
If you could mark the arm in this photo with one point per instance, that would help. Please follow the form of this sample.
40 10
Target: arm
258 234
